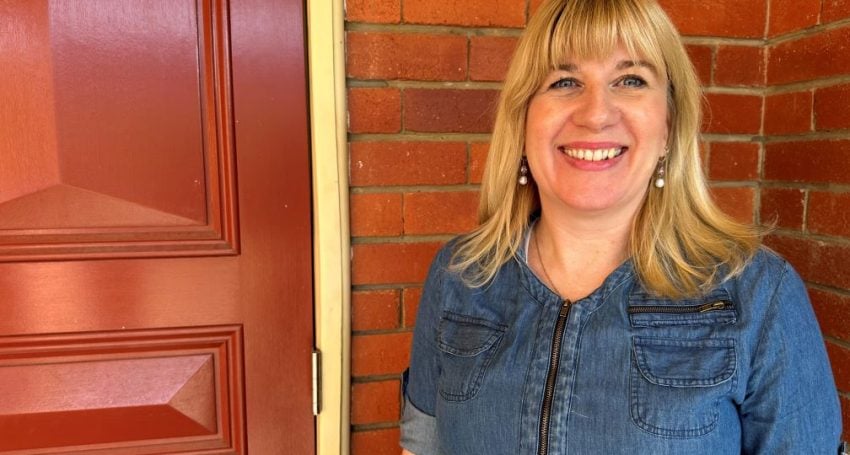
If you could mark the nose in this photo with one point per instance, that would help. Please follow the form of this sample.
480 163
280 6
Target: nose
596 109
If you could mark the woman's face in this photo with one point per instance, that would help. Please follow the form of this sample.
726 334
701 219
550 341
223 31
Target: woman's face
594 133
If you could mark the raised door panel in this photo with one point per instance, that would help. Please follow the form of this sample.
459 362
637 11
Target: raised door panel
139 392
117 138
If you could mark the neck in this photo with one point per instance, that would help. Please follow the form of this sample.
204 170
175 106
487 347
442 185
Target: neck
581 238
578 253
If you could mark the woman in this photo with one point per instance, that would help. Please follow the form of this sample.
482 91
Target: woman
604 304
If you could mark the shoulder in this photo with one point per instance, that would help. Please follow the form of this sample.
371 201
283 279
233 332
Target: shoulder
766 279
766 266
441 273
451 286
442 260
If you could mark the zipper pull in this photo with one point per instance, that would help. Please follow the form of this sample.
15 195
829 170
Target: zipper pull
712 306
565 308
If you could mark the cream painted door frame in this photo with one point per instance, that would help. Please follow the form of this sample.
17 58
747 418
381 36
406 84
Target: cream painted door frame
331 238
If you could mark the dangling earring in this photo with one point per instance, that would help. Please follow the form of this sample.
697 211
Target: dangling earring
523 172
659 171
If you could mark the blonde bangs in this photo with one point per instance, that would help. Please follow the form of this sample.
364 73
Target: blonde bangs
592 30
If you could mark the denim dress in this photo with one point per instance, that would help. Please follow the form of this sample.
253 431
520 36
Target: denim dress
511 368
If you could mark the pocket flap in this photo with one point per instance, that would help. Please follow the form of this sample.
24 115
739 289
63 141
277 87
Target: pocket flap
678 362
467 336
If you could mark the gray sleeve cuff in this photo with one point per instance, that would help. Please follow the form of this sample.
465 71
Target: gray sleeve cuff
418 430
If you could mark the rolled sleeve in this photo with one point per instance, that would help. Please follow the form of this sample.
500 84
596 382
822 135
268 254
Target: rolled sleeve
418 429
419 424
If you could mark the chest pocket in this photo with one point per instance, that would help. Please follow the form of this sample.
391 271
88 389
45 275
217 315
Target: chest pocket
683 363
467 347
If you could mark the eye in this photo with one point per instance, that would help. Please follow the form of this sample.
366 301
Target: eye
567 82
632 81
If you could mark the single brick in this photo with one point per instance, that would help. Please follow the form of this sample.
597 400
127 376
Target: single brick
449 110
373 11
728 114
489 57
829 213
374 310
822 161
407 163
376 214
739 65
734 161
788 113
736 202
374 402
375 442
440 212
374 110
388 263
810 57
474 13
784 206
386 353
724 18
792 15
832 108
390 56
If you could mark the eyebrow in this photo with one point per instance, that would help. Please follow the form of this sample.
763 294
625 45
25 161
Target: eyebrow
642 63
572 67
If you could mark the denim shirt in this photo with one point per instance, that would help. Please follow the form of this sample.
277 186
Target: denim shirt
742 369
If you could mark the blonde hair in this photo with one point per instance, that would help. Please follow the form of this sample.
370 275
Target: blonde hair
681 243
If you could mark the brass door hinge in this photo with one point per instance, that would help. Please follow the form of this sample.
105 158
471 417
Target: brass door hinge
317 382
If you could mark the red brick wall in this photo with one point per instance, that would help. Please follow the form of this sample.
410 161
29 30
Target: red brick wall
806 163
423 77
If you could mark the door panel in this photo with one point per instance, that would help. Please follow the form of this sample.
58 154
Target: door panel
155 242
176 388
121 121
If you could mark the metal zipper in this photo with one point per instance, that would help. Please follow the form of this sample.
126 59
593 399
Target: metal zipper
549 391
681 309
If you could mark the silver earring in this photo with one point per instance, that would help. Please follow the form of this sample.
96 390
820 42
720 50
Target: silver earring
523 172
659 172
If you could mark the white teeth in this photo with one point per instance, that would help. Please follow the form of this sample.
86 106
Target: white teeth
593 155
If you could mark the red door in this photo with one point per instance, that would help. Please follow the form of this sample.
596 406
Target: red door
155 235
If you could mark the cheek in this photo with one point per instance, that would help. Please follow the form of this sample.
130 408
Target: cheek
542 124
659 116
533 120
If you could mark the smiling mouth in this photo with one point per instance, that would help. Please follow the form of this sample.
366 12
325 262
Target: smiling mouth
593 154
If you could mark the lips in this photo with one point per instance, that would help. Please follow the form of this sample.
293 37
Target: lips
596 154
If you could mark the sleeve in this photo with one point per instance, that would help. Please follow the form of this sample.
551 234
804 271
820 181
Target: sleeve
791 403
418 423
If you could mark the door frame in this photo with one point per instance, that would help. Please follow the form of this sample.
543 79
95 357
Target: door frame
331 237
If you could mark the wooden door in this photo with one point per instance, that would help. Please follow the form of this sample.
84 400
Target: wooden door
155 235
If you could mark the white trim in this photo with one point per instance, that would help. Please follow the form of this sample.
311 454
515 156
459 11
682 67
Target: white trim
331 238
